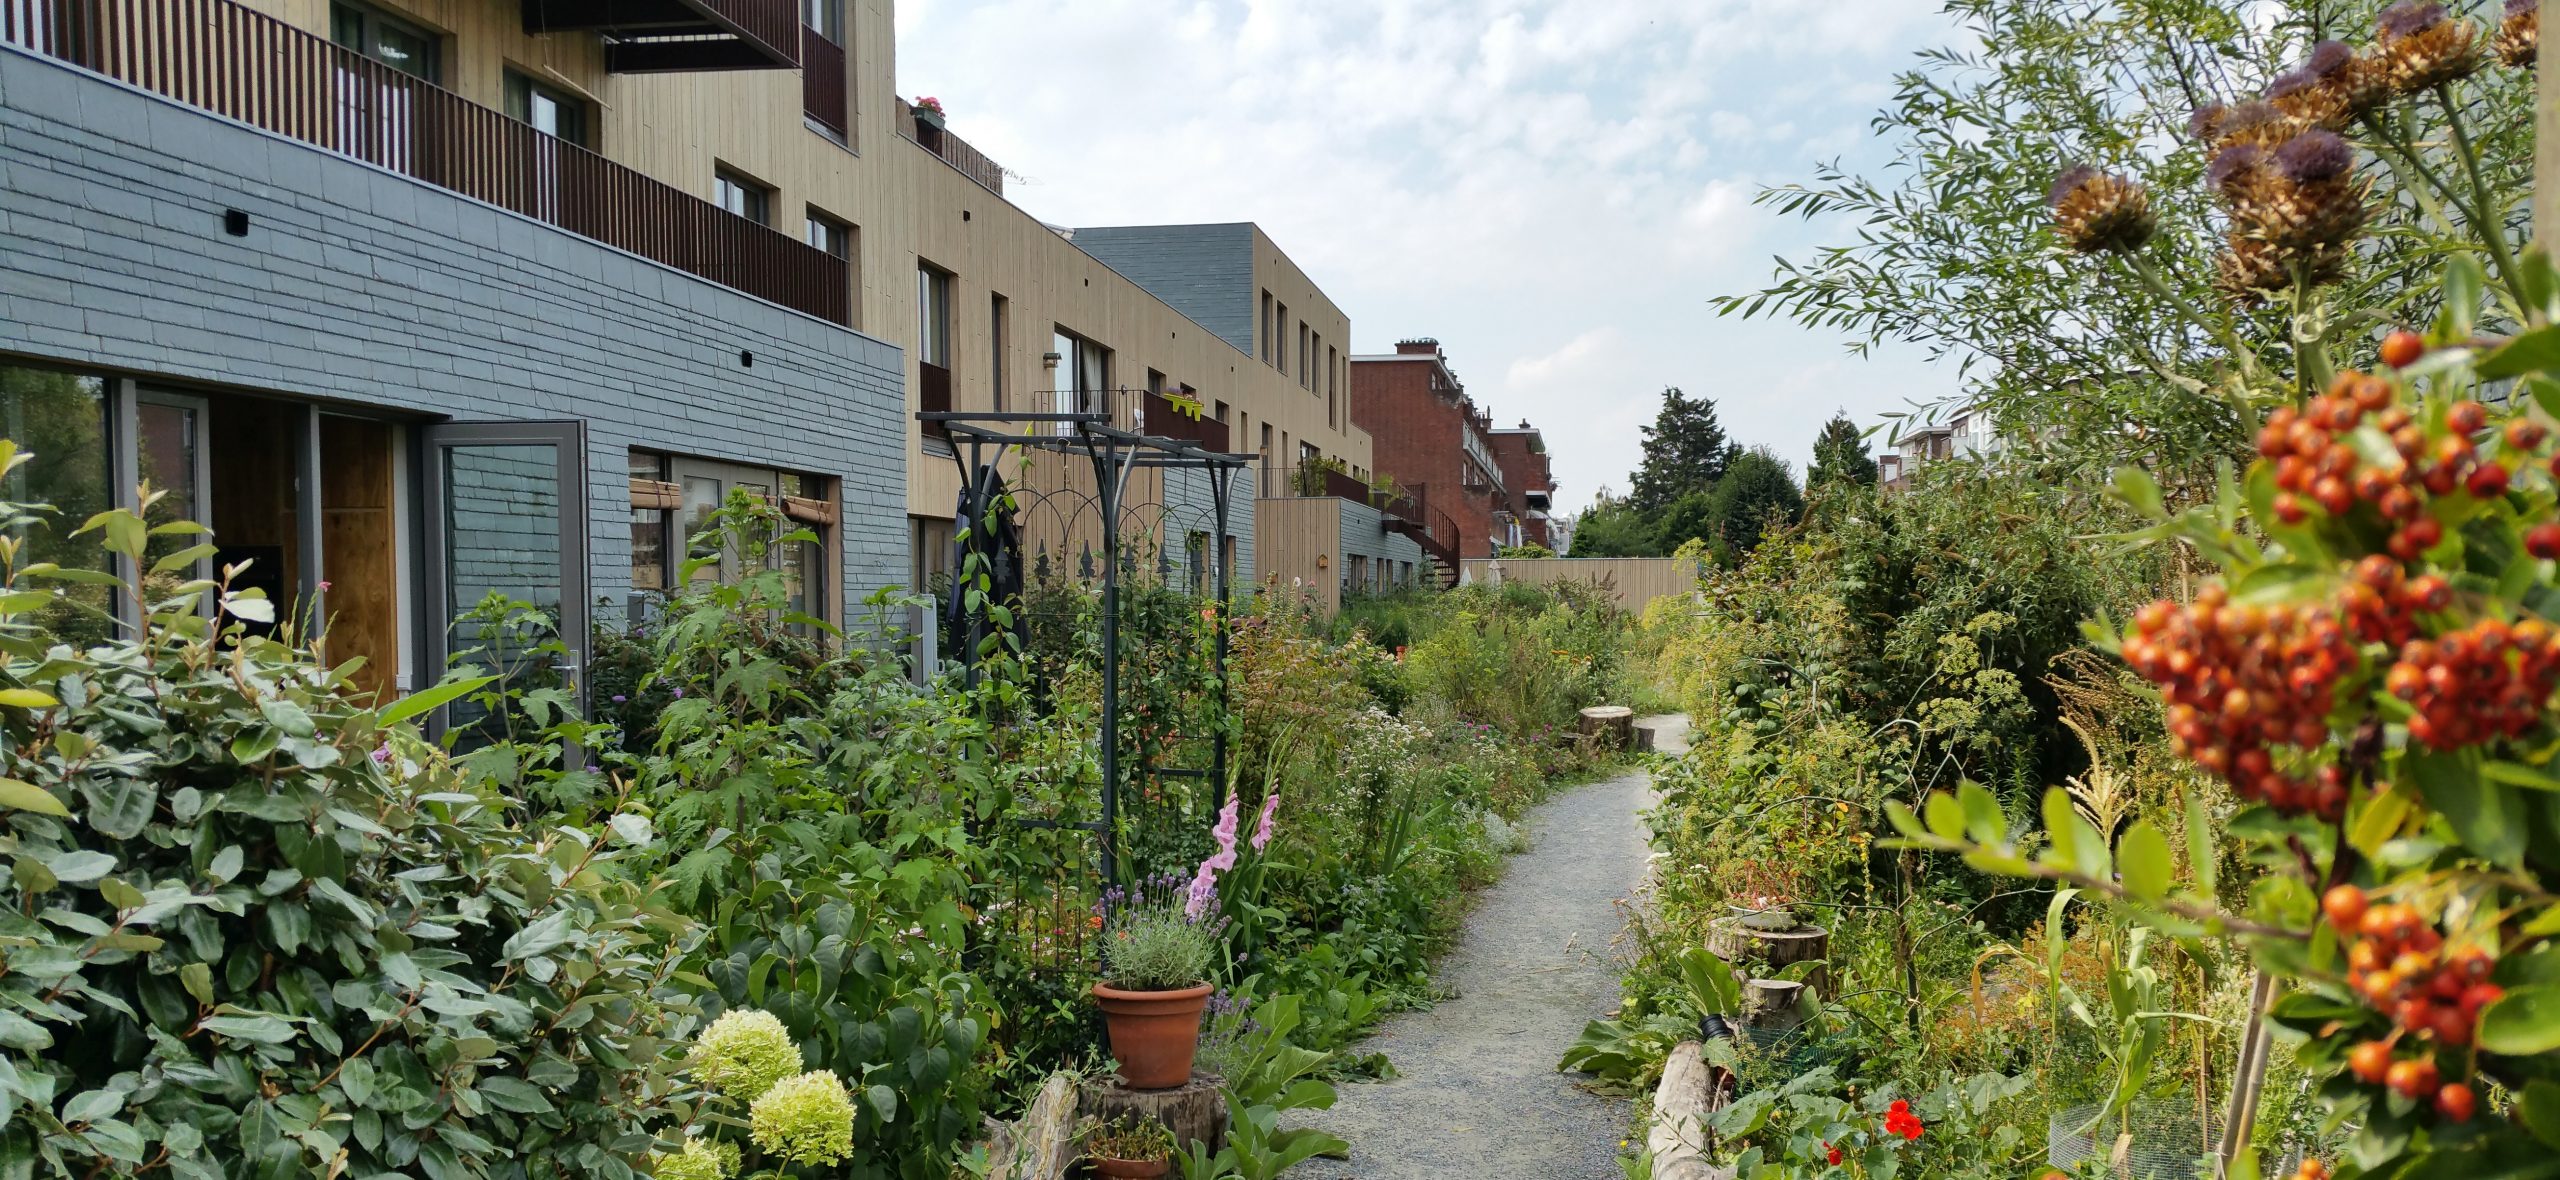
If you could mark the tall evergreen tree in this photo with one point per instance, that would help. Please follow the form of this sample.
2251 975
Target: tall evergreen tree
1757 494
1840 456
1685 450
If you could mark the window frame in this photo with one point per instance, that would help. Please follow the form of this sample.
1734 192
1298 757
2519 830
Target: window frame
933 314
522 88
755 197
371 22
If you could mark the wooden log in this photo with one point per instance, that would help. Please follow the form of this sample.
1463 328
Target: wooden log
1772 951
1042 1145
1609 726
1645 739
1683 1105
1772 1004
1195 1111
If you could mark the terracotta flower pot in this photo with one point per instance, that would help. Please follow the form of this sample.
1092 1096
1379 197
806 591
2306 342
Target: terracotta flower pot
1153 1034
1106 1167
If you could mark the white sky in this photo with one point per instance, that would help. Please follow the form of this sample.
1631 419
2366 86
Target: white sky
1553 188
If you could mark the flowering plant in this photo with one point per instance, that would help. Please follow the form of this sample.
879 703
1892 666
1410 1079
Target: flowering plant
1154 939
929 104
795 1116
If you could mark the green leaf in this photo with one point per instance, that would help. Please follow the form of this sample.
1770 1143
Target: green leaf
884 1102
197 978
432 698
2200 852
80 866
2524 1022
251 1026
249 606
1946 816
2541 1110
514 1094
2487 816
2143 857
21 796
88 1106
2463 283
1983 821
2533 351
2517 774
27 698
2140 492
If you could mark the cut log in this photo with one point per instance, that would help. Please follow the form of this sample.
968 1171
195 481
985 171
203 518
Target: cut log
1772 1004
1679 1138
1042 1145
1772 951
1609 726
1195 1111
1644 739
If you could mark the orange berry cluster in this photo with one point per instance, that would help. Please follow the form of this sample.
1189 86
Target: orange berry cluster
2311 1169
2397 961
2240 679
2477 683
2317 465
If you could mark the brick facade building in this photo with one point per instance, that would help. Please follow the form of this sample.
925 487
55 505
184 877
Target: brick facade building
1520 453
1431 440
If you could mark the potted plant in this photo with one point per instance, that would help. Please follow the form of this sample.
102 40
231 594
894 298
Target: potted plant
1156 950
1764 894
1129 1148
929 113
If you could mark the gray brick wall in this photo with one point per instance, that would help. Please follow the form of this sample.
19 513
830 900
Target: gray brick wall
1364 534
358 285
1203 271
1191 507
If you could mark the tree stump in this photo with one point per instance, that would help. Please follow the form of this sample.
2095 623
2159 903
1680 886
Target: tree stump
1193 1111
1772 1005
1043 1144
1609 726
1774 950
1644 739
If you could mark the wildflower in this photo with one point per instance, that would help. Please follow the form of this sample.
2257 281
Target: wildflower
1830 1153
2258 124
618 698
744 1053
382 754
1204 893
2094 211
1899 1120
1262 833
806 1119
324 585
699 1160
1225 832
2206 122
2519 39
2418 47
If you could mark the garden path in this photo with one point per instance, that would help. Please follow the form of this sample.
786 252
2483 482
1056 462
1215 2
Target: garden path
1477 1094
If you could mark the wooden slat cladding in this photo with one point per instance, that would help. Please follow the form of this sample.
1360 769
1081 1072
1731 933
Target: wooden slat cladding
244 65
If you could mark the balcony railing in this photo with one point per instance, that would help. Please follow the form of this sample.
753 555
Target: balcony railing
221 57
663 36
822 82
1166 420
954 150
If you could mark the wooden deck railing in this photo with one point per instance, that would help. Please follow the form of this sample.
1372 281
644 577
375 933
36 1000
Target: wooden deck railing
775 23
954 150
822 82
222 57
1166 420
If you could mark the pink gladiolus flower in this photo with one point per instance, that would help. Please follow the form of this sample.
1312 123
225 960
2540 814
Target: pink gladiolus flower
1262 834
1225 832
1204 893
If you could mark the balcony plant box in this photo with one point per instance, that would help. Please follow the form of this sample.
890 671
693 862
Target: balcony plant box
1155 967
928 114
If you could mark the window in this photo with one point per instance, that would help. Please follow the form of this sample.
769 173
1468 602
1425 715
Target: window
673 492
999 316
843 240
1279 324
824 17
742 196
1155 382
60 420
1306 358
1083 377
548 109
1222 406
1333 385
393 42
933 315
1270 332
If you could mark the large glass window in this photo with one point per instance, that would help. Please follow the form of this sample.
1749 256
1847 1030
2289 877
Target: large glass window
742 196
1083 376
844 240
933 315
674 499
384 38
824 17
60 419
548 109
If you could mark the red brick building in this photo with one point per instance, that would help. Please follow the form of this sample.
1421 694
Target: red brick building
1520 453
1436 446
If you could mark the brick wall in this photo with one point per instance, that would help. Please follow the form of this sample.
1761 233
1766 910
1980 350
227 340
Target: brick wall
1524 470
1417 437
360 286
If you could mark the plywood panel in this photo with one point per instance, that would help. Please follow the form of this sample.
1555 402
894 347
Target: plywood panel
1636 580
359 541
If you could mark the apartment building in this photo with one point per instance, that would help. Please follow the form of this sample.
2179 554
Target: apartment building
1520 453
1968 434
1435 445
417 300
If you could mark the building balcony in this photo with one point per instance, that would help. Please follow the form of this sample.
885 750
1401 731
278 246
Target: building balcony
668 36
225 58
1163 419
929 134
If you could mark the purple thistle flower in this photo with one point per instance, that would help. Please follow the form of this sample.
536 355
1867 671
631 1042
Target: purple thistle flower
2290 81
2203 122
2408 18
2232 163
2329 57
2315 156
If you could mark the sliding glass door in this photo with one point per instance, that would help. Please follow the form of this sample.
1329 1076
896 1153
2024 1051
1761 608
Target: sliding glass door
505 516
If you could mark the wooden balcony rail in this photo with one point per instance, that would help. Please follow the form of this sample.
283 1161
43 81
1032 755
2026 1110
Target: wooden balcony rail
662 36
822 83
933 396
773 24
1167 420
219 56
954 150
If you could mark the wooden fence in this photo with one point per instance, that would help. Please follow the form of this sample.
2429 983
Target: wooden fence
1636 580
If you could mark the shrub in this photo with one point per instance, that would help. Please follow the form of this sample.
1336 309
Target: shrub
262 929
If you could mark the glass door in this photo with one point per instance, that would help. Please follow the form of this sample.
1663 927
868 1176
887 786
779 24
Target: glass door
506 533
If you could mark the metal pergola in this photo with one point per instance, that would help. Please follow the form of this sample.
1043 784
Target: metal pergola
980 442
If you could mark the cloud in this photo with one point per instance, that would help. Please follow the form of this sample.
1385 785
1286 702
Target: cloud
1553 188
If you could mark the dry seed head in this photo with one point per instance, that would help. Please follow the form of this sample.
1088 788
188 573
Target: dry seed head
2418 47
2519 39
2093 211
2256 124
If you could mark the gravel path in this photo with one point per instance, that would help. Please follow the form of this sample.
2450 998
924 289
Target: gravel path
1477 1094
